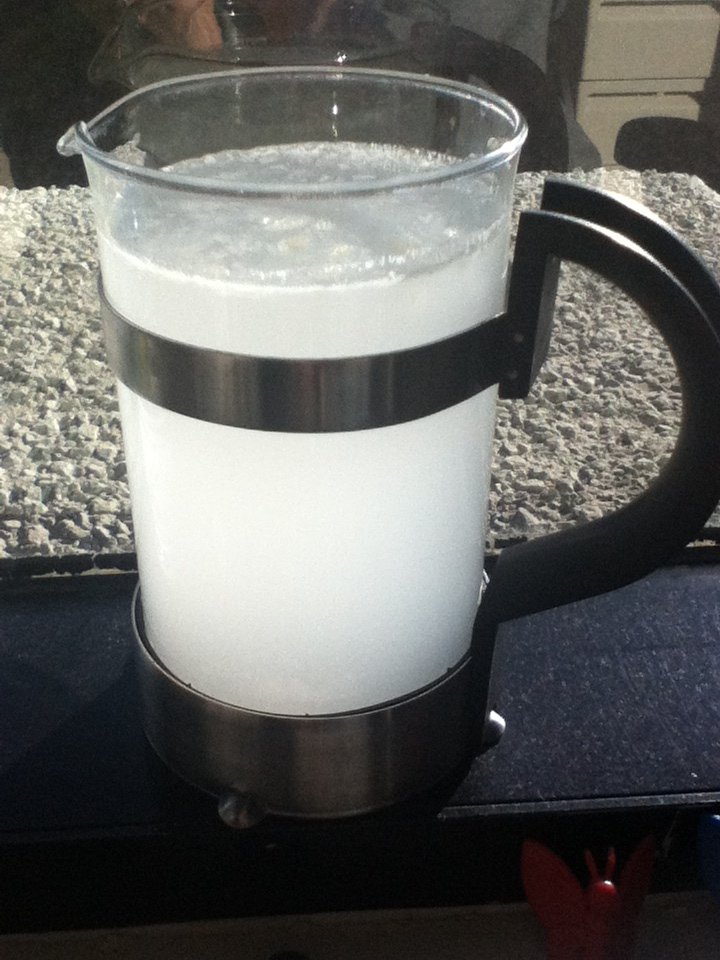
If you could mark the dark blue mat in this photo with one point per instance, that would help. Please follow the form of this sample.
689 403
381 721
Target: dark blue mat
613 713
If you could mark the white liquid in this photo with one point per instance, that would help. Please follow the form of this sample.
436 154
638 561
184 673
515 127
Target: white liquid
297 573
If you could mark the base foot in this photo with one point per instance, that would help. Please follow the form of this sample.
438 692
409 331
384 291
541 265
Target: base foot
241 810
493 730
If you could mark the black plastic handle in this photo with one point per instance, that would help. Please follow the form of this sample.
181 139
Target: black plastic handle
630 247
626 244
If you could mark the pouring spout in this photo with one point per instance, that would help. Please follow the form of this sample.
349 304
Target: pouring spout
69 143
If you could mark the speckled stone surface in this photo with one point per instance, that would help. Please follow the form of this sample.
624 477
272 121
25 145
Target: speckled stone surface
597 425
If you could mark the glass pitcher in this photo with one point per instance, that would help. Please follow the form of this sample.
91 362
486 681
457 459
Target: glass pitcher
305 296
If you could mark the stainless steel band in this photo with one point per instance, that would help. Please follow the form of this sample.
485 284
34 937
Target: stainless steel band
309 766
306 396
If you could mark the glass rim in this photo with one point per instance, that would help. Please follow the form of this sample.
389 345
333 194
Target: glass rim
79 138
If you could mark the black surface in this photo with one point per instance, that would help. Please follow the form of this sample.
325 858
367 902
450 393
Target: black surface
613 711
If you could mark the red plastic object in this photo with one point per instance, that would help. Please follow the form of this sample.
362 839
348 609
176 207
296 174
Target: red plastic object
597 923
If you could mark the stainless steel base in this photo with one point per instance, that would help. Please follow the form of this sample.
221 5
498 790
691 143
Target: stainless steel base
306 766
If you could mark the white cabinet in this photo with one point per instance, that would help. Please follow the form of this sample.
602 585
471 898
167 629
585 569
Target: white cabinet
643 58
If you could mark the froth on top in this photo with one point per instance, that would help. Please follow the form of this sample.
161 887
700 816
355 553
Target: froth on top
308 240
320 163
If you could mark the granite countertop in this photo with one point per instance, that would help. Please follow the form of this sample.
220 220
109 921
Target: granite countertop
598 422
